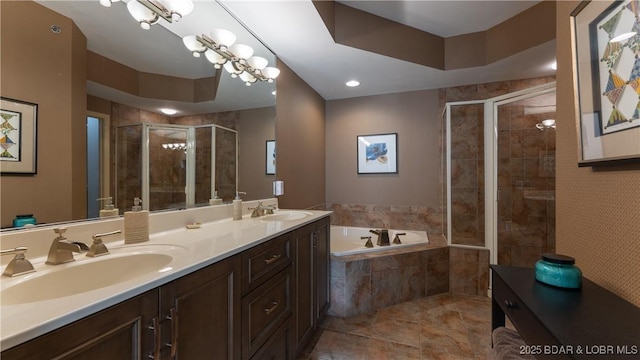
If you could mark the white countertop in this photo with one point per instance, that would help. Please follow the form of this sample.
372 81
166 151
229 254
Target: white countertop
212 242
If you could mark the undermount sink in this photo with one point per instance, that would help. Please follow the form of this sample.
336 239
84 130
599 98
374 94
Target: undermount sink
87 274
287 215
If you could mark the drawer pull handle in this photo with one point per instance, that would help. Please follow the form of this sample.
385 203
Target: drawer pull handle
271 308
510 305
272 259
157 340
173 316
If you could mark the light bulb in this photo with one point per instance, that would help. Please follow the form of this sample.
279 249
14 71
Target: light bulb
241 51
214 57
142 15
257 62
193 45
271 72
223 37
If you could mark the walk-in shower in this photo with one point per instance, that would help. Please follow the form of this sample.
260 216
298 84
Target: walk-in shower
500 170
175 166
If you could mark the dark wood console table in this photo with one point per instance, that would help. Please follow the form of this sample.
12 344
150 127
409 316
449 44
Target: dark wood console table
589 323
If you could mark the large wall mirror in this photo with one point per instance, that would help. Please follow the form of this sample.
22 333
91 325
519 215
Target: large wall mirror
100 82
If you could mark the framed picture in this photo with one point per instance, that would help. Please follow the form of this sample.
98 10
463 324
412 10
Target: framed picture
377 154
271 157
18 128
606 69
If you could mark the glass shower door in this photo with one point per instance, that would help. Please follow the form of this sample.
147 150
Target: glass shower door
167 171
525 178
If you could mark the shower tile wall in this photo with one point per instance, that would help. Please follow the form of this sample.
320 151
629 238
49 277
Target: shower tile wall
526 182
420 218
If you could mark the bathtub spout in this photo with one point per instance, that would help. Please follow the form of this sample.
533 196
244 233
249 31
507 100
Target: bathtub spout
383 237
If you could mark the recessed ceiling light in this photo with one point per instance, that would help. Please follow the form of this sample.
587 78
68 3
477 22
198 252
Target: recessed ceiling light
169 111
353 83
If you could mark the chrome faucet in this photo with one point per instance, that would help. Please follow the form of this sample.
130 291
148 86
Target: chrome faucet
258 210
61 251
98 247
19 264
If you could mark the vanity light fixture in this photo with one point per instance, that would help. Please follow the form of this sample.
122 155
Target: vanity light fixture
353 83
148 12
546 124
237 59
175 146
107 3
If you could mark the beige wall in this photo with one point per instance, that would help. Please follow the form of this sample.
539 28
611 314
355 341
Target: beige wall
597 209
300 138
48 69
255 127
414 117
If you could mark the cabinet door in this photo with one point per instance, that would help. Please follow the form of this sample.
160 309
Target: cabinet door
124 331
201 313
322 272
304 285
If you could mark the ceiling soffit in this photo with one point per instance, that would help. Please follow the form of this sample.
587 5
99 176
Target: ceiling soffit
356 28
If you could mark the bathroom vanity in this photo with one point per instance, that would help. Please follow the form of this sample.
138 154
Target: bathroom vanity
262 299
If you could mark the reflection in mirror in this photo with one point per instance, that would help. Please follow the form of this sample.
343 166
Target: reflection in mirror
126 75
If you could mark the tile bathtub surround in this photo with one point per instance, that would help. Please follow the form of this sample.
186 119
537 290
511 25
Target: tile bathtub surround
468 271
366 282
444 326
421 218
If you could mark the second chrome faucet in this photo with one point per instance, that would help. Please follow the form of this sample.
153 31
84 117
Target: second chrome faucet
61 250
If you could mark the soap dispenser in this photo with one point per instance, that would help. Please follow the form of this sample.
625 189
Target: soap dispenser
109 210
215 200
136 224
237 206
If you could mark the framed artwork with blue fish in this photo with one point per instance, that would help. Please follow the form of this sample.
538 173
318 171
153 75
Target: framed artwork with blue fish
378 154
606 65
18 125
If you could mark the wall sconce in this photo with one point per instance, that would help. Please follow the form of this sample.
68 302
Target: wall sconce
148 12
237 59
546 124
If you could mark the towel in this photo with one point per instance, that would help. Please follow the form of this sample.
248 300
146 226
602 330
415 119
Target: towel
507 345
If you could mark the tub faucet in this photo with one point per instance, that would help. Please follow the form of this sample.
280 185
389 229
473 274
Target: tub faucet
383 237
61 251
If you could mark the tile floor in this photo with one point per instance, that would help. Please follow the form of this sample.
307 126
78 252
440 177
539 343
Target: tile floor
445 326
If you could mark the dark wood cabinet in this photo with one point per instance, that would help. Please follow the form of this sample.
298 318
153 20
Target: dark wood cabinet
200 313
263 303
124 331
322 258
311 286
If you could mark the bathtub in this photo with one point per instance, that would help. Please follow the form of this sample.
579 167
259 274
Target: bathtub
346 240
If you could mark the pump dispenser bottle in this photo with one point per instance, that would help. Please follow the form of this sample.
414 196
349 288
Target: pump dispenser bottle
109 210
237 206
136 224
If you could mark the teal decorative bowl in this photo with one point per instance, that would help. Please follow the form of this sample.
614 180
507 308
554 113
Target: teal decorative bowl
558 270
22 220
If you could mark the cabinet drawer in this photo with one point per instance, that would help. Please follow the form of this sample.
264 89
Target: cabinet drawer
279 345
263 261
264 309
532 331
